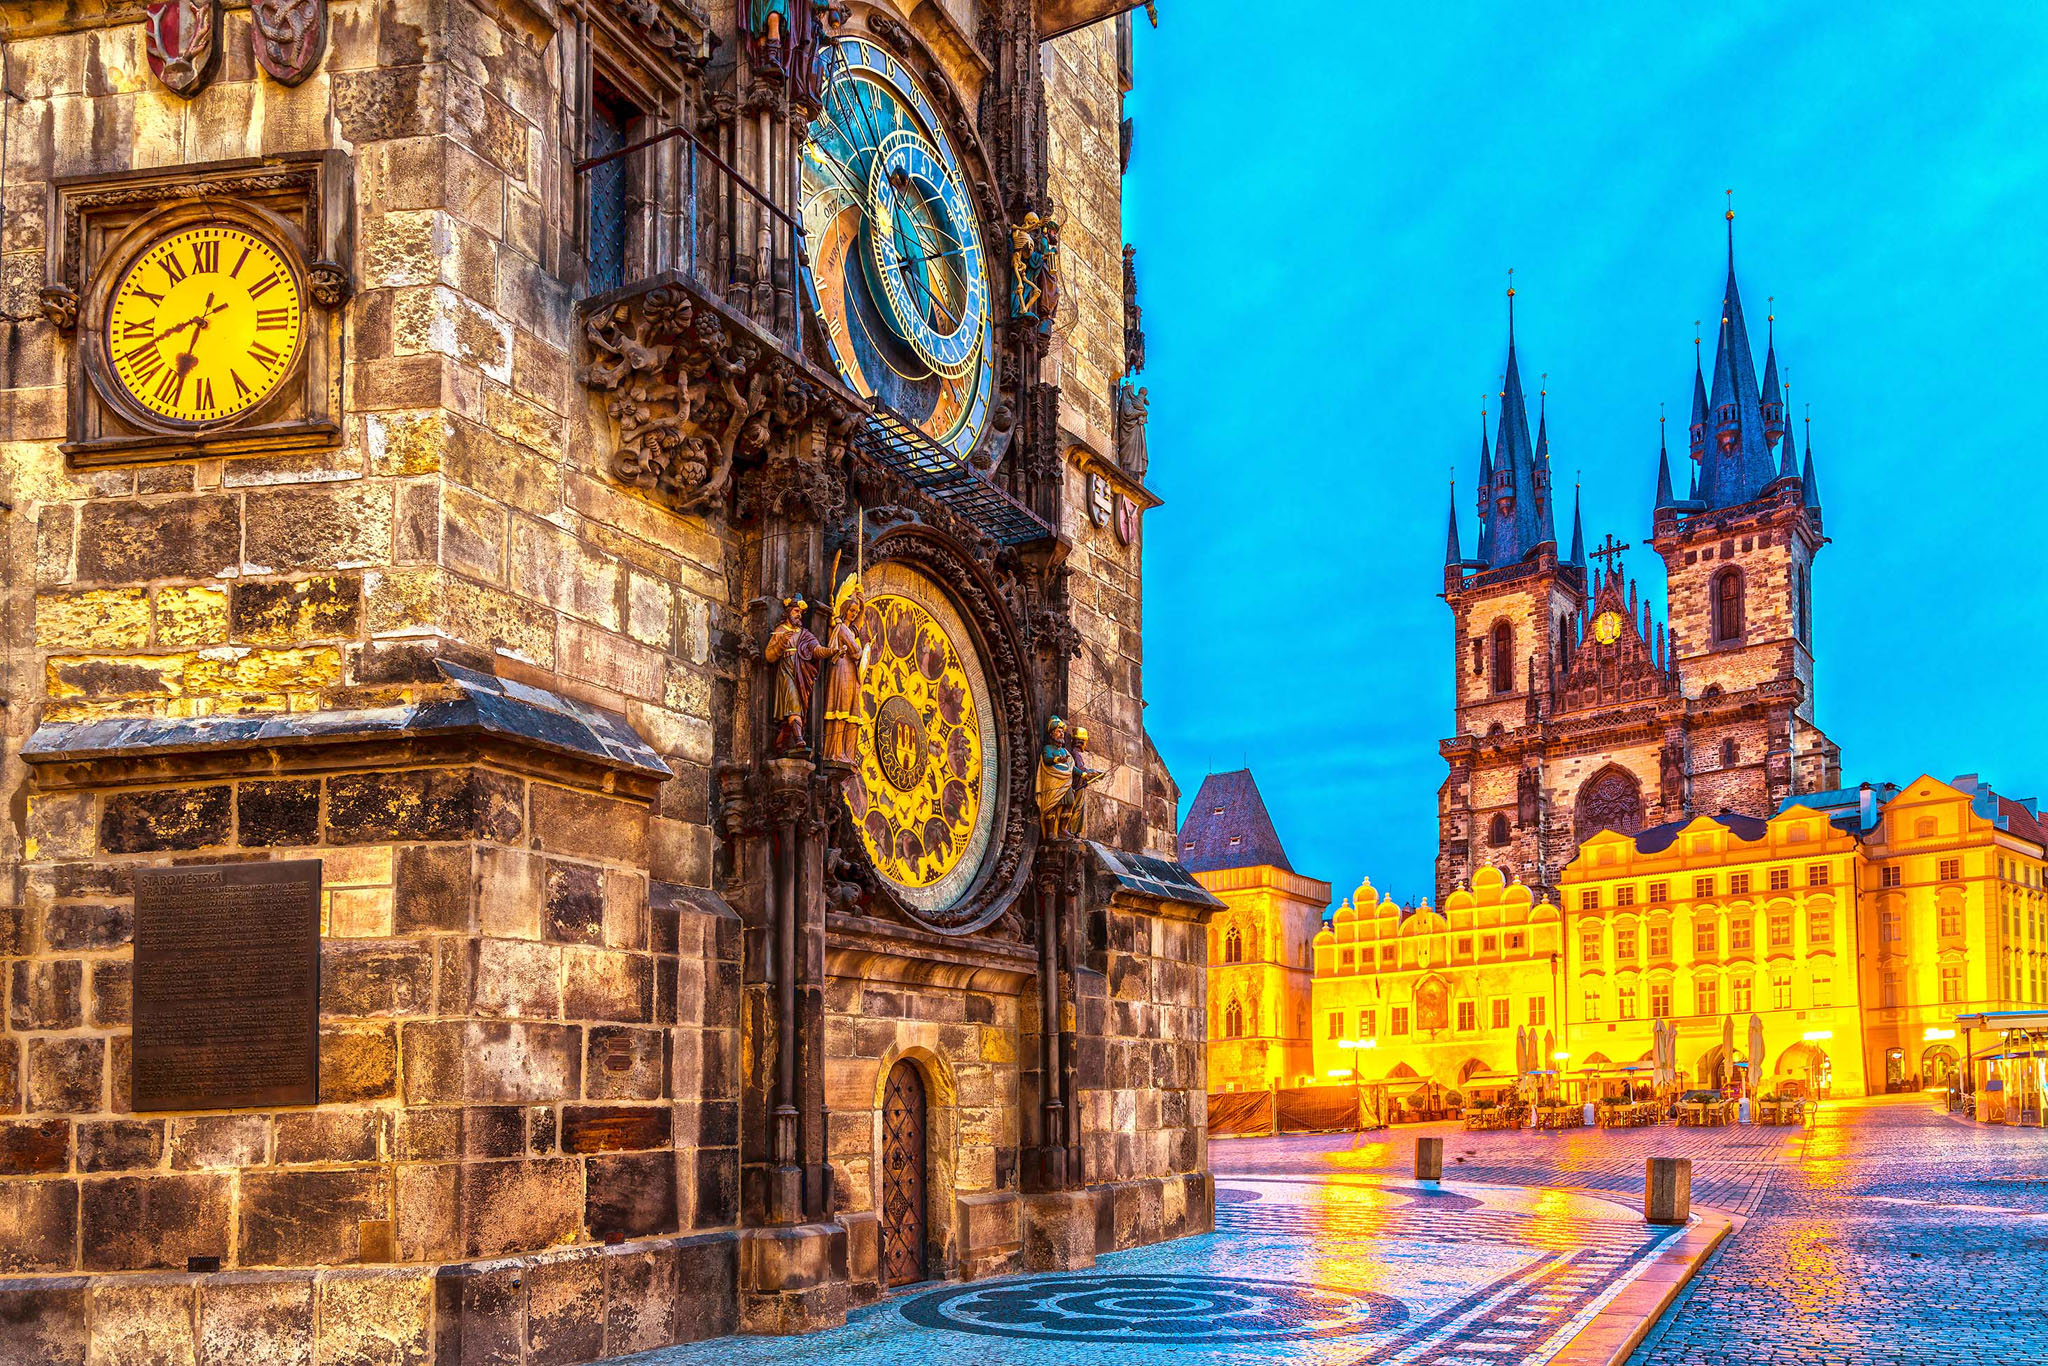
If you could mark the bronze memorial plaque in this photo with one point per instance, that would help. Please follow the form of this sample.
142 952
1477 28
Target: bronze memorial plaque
227 986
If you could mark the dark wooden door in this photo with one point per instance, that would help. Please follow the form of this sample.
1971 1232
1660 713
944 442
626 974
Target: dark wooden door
903 1171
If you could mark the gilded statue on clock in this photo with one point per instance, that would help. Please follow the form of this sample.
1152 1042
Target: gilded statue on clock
896 262
205 318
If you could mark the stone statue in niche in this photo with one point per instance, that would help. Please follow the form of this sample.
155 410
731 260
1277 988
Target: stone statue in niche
1034 270
794 653
1063 781
847 652
1133 410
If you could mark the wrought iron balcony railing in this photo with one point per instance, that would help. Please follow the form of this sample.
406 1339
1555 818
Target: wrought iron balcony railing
670 205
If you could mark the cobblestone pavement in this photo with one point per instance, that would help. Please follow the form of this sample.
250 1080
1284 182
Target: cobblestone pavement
1891 1236
1334 1269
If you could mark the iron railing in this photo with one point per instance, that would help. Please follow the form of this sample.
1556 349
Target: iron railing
669 204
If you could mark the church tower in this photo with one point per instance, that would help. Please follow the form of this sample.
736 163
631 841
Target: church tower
1511 603
1738 554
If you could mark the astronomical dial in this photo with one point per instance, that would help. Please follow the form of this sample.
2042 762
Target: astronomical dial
897 268
1607 627
205 324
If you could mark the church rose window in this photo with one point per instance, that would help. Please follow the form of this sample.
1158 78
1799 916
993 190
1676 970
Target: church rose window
1612 799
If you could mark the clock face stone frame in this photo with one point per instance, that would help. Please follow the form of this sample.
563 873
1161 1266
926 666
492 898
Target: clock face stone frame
297 204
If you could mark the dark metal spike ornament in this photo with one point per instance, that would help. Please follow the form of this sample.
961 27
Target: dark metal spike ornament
289 37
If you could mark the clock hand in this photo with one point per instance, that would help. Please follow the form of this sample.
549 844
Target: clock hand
188 360
197 318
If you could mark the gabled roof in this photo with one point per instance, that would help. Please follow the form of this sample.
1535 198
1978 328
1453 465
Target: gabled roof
1658 838
1228 827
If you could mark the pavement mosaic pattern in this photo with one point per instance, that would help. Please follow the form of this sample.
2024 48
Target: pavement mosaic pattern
1345 1269
1892 1236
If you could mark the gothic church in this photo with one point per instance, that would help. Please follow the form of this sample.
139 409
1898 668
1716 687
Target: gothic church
1577 710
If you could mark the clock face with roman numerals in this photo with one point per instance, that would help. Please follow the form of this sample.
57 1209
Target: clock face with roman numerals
205 324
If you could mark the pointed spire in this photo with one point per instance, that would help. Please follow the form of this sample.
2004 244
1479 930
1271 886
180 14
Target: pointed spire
1546 524
1511 531
1453 556
1788 462
1738 463
1772 396
1697 437
1806 475
1578 530
1481 551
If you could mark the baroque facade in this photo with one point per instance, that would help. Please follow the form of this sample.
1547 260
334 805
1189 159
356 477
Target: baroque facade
1576 709
590 508
1261 948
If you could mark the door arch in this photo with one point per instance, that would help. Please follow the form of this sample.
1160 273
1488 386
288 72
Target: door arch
906 1143
1938 1063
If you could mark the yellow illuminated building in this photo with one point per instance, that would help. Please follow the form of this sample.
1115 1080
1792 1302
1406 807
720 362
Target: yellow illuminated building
1434 994
1259 948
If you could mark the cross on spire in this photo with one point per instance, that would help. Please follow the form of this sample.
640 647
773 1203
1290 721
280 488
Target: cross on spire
1609 551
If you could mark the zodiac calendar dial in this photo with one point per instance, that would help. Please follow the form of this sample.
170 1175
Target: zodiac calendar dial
205 324
923 791
897 270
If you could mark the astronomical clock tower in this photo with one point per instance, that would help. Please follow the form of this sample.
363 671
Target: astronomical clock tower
572 644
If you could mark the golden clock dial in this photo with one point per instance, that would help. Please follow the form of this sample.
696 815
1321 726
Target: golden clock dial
924 791
205 324
1607 627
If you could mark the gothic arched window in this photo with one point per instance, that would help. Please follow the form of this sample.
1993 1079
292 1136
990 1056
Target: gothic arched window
1612 799
1727 754
1503 658
1497 832
1728 605
1233 1021
1805 603
1233 946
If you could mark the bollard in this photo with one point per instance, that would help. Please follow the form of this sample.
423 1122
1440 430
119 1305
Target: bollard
1429 1159
1667 1190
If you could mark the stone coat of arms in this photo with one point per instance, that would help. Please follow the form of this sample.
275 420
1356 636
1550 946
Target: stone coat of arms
182 41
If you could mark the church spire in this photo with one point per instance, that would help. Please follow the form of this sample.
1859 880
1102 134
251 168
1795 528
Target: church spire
1806 475
1772 398
1788 452
1738 463
1512 502
1665 498
1546 524
1481 551
1578 556
1453 556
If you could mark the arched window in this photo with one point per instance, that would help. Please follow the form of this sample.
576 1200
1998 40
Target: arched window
1497 832
1233 946
1233 1021
1800 602
1612 799
1727 754
1503 658
1728 605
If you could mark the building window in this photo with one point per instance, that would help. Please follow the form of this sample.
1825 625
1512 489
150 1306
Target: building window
1386 953
1888 990
1951 982
1468 1016
1399 1019
1336 1024
608 189
1728 606
1624 896
1739 989
1820 927
1703 886
1592 1003
1781 879
1589 900
1350 959
1802 602
1781 991
1951 869
1624 942
1491 943
1728 754
1888 927
1738 884
1465 946
1233 948
1823 990
1738 936
1660 1000
1660 891
1627 997
1503 658
1889 877
1536 1004
1368 1024
1660 941
1951 920
1233 1022
1781 929
1705 937
1706 997
1497 830
1589 944
1816 875
1514 942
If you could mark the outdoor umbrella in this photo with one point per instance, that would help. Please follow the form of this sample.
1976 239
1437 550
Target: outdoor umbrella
1727 1068
1549 1051
1756 1052
1521 1050
1657 1052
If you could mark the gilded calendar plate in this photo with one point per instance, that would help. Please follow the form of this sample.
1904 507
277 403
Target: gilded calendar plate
924 792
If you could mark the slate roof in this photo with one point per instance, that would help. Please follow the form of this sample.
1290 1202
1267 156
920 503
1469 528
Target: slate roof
1658 838
1228 827
1160 879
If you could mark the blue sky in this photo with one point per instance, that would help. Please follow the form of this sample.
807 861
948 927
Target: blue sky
1324 221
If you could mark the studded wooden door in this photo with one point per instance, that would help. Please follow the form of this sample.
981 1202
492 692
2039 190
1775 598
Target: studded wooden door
903 1170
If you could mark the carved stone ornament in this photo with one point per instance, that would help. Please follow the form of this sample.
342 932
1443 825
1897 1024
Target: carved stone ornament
182 41
691 394
289 36
60 306
328 283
